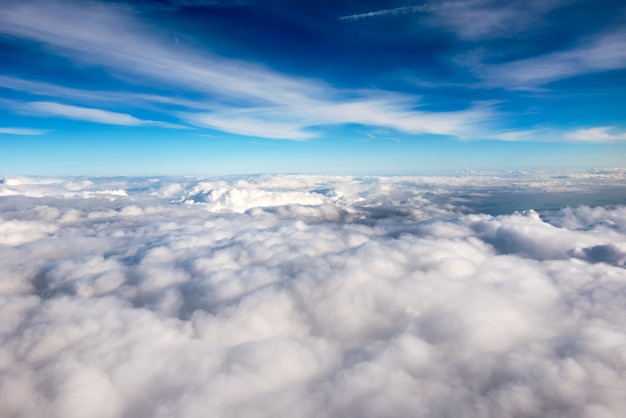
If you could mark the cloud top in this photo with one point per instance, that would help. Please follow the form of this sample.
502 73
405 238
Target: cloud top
309 296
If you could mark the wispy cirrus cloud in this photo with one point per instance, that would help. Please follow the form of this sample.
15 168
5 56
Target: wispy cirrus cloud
594 134
106 117
598 134
238 97
476 20
473 20
93 97
604 52
395 111
22 131
83 113
391 12
519 135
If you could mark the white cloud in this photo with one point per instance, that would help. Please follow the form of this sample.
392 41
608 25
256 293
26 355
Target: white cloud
19 232
310 296
241 97
598 134
521 135
22 131
390 12
392 111
486 19
474 19
605 52
94 97
90 114
82 113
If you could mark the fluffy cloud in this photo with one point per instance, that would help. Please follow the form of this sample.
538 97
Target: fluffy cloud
309 296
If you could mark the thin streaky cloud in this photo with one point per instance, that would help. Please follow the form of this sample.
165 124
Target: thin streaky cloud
513 136
111 38
392 12
598 134
106 117
294 123
22 131
475 20
94 97
605 52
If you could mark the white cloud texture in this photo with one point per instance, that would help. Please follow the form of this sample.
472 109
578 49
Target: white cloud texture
310 296
21 131
82 113
390 12
604 52
598 134
236 96
487 19
474 19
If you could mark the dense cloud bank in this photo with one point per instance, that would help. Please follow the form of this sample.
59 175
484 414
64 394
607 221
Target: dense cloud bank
304 296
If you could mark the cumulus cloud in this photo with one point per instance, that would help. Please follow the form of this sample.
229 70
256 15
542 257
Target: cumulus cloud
310 296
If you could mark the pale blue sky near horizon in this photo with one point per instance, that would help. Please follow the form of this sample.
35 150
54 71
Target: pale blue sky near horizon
210 87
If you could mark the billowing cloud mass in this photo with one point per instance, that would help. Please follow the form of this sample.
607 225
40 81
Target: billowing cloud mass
308 296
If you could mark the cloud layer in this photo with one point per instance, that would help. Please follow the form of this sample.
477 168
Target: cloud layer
309 296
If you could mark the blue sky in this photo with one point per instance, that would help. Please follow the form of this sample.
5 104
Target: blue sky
346 87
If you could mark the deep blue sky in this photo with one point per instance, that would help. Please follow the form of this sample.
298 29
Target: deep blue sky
347 87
